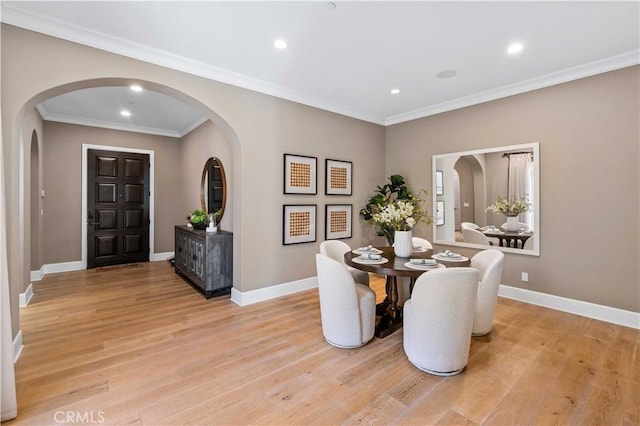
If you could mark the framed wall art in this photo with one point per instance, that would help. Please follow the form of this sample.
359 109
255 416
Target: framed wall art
338 177
338 221
299 224
439 212
439 183
300 174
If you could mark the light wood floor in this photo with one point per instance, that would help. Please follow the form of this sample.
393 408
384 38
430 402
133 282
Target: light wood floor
136 345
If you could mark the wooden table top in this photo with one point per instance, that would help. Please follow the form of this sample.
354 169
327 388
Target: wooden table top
395 265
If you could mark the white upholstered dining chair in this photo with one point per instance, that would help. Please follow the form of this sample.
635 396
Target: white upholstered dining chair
335 249
489 264
475 237
438 320
417 241
468 225
521 226
347 309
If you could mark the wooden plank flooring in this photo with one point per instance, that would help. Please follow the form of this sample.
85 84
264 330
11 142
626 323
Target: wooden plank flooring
137 345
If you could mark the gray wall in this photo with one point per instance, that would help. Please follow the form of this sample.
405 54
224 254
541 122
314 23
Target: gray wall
588 132
259 129
587 129
196 147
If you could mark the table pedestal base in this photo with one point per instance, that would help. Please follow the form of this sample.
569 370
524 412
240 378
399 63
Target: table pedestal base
391 318
388 324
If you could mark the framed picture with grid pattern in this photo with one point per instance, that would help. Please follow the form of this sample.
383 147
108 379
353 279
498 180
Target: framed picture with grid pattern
338 177
300 174
338 221
299 224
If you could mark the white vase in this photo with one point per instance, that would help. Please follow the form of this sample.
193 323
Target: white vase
512 223
403 243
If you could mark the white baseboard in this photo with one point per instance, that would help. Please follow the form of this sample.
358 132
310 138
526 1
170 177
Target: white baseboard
37 275
578 307
25 298
52 268
157 257
267 293
17 346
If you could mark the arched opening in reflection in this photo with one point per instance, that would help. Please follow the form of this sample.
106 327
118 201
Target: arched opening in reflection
469 191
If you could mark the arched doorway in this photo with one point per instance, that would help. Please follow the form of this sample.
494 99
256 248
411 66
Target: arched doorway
36 204
36 157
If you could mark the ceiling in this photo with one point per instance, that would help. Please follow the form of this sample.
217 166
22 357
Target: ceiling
343 57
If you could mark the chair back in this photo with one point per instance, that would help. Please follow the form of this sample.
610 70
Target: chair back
489 264
528 245
521 226
438 320
335 249
339 308
474 237
416 241
468 225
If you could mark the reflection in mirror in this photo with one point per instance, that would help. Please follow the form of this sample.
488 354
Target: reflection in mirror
213 187
466 183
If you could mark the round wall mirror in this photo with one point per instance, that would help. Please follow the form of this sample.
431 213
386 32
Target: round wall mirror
213 188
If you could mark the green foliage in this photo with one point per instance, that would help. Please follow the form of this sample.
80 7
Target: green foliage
198 217
388 195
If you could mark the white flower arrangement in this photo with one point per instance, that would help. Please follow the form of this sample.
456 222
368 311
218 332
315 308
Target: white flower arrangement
400 215
509 207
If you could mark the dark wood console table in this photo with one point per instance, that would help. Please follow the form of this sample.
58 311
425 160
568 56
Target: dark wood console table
205 259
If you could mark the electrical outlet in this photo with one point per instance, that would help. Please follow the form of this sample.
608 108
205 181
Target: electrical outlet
525 276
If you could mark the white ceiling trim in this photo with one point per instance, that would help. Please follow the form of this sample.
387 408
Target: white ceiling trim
55 28
609 64
14 16
68 119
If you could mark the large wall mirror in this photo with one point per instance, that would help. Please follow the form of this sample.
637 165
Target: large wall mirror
466 183
213 188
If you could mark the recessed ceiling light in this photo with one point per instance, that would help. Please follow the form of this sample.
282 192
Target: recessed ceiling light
331 5
447 74
394 91
125 113
135 88
514 48
280 44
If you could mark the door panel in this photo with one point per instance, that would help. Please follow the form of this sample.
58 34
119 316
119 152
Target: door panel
117 208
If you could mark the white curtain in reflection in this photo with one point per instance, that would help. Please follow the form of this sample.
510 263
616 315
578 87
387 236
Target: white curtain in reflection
7 375
521 183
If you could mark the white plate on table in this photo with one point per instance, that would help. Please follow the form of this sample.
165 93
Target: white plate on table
420 267
360 250
459 258
362 261
419 249
489 231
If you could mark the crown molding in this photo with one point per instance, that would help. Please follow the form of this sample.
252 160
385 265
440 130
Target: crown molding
70 119
598 67
13 15
34 22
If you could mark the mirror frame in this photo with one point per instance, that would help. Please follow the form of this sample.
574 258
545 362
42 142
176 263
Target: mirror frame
203 185
536 186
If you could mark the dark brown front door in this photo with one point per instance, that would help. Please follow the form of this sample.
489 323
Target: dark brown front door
117 208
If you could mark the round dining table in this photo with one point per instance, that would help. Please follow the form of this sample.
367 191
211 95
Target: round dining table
508 238
391 314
